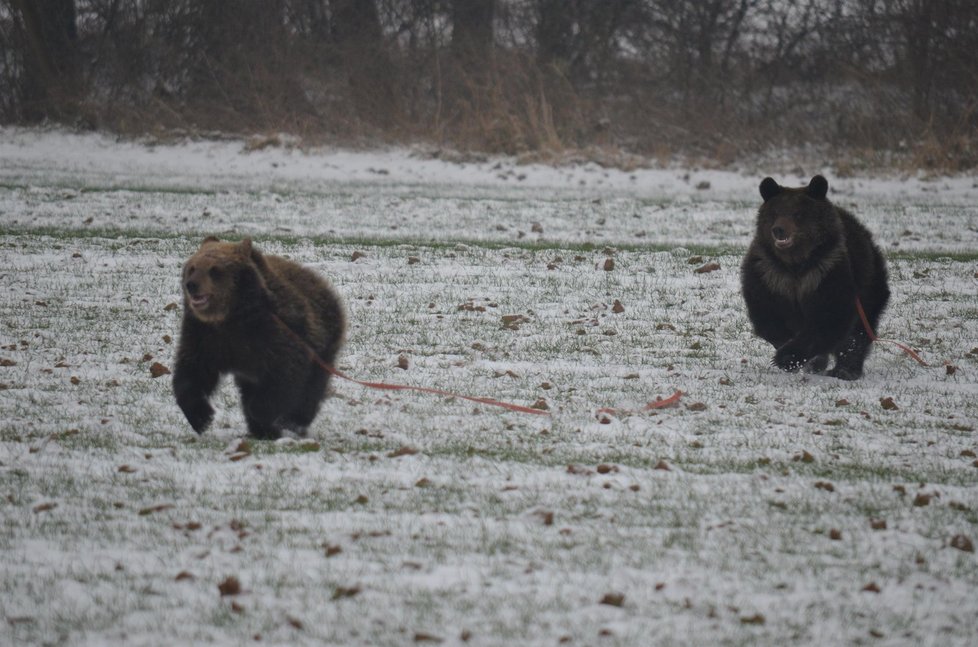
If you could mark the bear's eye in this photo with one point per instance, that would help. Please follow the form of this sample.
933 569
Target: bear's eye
215 273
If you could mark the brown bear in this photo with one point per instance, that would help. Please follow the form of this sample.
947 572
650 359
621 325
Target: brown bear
236 302
808 264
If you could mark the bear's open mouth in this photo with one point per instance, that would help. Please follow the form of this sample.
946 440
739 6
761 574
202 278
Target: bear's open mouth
782 238
199 300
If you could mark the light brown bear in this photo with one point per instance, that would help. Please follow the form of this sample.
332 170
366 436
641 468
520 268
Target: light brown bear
235 303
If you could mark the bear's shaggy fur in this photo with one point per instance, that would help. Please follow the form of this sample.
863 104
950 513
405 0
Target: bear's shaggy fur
806 266
232 294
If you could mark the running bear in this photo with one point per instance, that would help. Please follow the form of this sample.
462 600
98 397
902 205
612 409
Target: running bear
808 264
237 304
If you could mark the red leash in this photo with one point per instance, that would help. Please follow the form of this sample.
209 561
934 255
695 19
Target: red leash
385 386
872 335
403 387
425 389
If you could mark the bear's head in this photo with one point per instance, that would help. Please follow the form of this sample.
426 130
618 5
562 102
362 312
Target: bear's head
794 222
218 277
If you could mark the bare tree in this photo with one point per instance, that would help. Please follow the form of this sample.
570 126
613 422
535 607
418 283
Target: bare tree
49 83
472 31
363 52
581 38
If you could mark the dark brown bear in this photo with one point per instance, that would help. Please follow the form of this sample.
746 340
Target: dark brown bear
235 302
803 272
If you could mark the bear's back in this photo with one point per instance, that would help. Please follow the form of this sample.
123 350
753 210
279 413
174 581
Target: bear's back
296 285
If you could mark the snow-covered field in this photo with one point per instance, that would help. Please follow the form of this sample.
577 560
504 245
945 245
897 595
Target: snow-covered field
764 509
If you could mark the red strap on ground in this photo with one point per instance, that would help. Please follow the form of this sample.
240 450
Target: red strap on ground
404 387
872 335
425 389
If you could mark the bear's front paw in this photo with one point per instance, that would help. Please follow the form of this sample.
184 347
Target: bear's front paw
199 415
789 359
816 365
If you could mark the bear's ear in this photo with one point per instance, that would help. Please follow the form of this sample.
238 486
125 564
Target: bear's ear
249 251
769 188
818 188
209 239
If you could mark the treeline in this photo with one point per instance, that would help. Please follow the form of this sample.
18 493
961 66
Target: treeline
713 78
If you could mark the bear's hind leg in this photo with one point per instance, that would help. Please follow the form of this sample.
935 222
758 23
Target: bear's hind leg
307 405
262 408
262 430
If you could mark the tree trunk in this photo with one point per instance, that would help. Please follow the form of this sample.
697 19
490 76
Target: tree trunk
554 34
360 40
50 81
472 35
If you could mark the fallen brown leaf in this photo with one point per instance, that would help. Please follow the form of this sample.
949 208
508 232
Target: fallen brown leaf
512 322
332 549
708 267
158 370
230 586
155 508
546 516
961 542
294 622
403 450
613 599
579 470
346 592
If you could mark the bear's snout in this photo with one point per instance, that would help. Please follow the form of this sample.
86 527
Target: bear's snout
198 297
783 232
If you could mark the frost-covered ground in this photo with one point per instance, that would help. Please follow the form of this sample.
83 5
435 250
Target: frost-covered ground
764 509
